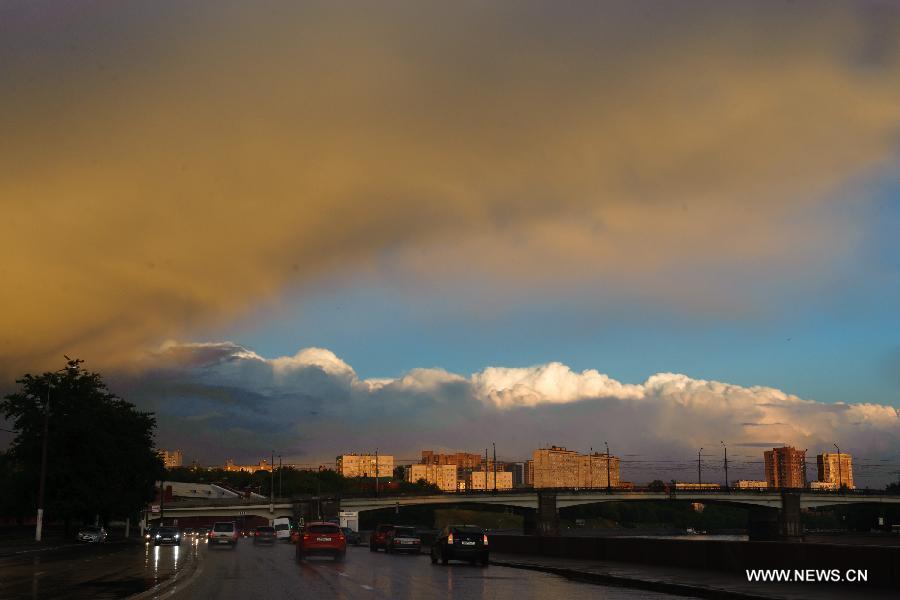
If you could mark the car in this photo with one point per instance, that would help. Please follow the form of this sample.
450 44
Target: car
224 532
264 535
202 533
461 542
353 537
167 535
378 539
91 534
403 539
322 538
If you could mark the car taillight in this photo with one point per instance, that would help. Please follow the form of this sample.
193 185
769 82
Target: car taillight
485 539
450 539
256 533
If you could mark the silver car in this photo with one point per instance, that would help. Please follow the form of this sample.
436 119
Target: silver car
93 535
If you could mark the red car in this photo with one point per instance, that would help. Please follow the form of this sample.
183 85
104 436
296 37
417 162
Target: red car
322 538
379 537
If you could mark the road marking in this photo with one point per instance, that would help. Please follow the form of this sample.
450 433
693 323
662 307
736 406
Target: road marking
342 574
366 587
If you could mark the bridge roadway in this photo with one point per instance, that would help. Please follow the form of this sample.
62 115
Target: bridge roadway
529 500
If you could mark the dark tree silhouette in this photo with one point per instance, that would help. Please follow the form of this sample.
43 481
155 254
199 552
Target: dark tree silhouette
101 457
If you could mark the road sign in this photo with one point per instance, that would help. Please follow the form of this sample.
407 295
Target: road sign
154 508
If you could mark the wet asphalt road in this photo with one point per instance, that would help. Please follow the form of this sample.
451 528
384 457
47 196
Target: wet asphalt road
93 571
270 572
264 572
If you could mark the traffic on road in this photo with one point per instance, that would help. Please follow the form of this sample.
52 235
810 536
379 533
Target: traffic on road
223 565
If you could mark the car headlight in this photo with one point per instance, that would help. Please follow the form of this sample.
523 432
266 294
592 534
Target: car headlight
158 536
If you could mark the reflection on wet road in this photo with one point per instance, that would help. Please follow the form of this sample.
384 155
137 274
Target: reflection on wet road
93 571
271 572
265 572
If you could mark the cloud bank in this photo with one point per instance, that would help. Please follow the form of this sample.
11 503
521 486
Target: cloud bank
221 400
169 166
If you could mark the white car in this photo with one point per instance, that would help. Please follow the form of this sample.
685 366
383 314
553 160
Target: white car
93 535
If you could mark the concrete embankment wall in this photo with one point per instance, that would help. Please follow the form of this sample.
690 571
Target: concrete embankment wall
882 562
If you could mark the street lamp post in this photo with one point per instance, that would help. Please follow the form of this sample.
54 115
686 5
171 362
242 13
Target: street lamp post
591 467
38 531
840 478
608 480
726 464
699 476
494 444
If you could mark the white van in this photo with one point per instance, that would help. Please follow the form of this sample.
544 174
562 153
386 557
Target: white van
282 528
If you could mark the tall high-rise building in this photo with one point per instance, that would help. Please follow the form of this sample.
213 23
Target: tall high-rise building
443 476
171 458
835 469
364 465
557 467
785 467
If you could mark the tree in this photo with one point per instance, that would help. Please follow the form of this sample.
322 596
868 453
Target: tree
100 451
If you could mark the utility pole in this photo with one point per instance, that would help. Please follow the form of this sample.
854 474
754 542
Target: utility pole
726 464
280 477
38 531
495 466
608 480
591 467
840 479
699 478
485 470
376 472
272 484
162 499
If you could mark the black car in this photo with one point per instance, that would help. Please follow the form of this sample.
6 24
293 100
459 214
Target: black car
461 542
403 539
264 534
353 537
167 535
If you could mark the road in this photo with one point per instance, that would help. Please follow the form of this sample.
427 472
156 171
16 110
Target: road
270 572
261 572
79 572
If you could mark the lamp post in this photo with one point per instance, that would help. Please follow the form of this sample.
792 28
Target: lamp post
494 444
376 472
591 467
608 480
840 478
272 483
726 464
39 524
280 477
699 477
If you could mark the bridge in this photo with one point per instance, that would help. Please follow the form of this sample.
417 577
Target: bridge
772 515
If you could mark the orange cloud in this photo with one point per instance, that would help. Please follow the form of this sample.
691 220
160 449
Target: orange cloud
167 168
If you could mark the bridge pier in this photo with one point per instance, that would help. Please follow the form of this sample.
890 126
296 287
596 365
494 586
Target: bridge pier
547 517
772 524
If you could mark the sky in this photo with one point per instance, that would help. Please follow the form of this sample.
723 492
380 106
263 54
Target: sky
699 203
